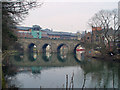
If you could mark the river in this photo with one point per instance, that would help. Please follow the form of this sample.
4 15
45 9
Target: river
46 70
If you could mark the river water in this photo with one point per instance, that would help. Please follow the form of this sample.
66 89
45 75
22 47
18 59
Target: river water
32 70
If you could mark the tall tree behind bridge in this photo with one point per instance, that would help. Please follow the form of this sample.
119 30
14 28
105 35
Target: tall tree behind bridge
106 19
12 14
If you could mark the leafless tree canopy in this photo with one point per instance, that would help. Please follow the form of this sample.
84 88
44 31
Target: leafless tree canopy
12 13
105 19
18 9
108 20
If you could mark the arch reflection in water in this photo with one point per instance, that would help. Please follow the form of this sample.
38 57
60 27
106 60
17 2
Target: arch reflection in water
32 47
32 56
46 56
79 47
62 56
62 48
79 56
19 57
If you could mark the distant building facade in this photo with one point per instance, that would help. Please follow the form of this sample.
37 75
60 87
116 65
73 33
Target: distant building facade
37 32
96 34
87 37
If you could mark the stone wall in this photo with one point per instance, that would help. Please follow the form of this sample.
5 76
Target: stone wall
53 43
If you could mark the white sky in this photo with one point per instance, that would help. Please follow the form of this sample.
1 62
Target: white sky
67 15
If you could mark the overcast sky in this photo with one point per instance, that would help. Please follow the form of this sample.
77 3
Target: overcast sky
68 16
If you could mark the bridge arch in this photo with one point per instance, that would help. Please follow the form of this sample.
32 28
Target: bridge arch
61 58
46 56
55 44
76 47
32 47
46 46
62 45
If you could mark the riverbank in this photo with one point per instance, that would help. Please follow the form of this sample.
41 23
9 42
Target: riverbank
115 58
91 53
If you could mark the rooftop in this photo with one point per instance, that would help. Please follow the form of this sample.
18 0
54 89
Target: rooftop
23 28
96 28
48 31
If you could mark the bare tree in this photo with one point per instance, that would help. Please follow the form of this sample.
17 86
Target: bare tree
18 9
107 20
12 13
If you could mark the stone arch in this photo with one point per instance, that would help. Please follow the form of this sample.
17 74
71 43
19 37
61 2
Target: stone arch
45 46
79 57
31 46
45 58
61 58
60 45
76 47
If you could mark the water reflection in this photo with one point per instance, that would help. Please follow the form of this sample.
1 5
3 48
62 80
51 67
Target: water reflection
79 55
32 56
36 70
46 56
62 56
90 73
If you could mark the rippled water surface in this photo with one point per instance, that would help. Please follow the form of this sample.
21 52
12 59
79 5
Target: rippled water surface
50 70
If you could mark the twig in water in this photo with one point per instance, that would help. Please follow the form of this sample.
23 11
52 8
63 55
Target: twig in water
84 81
66 82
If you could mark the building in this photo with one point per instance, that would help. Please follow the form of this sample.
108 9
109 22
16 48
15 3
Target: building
92 37
28 32
37 32
96 35
87 37
44 33
23 32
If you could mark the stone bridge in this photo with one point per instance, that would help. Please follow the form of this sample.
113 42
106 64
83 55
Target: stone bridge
55 44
